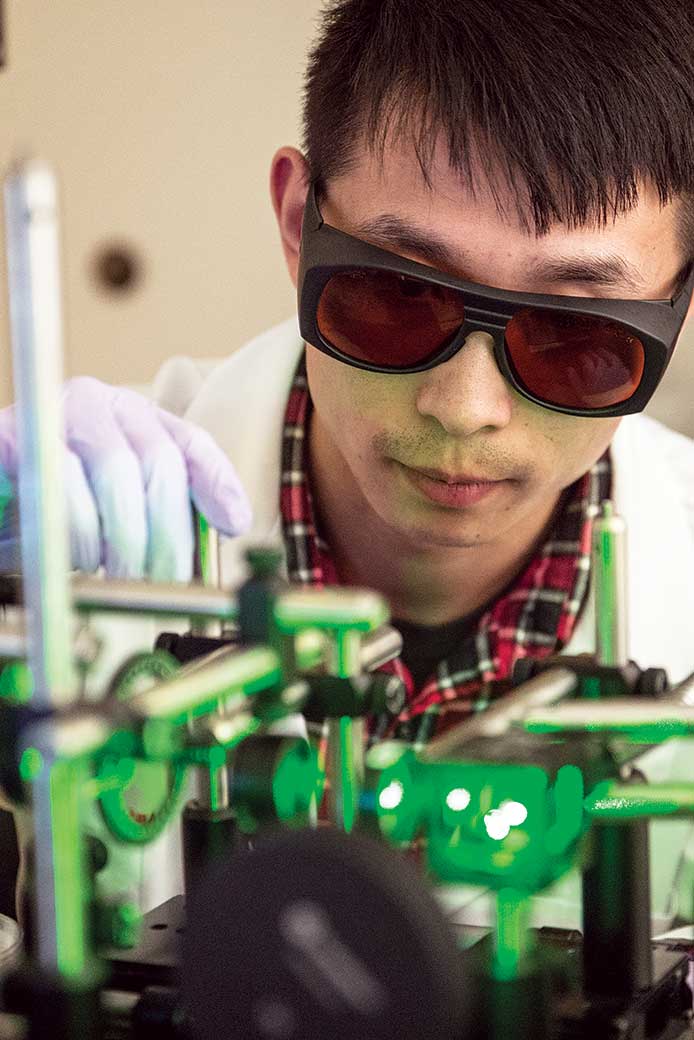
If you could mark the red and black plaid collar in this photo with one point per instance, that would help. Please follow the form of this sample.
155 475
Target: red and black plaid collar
534 618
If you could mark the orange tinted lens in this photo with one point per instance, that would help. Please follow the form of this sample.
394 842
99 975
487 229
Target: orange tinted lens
386 319
574 360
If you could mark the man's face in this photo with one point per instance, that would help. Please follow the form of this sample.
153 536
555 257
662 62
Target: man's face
454 456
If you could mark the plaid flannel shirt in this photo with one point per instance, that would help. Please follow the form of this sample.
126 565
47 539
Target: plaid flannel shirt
535 617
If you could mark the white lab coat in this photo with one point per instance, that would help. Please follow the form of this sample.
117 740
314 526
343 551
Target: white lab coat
241 402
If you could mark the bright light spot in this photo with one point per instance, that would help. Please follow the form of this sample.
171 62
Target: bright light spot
391 796
514 812
458 799
497 825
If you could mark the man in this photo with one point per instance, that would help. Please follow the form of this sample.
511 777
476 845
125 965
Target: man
440 440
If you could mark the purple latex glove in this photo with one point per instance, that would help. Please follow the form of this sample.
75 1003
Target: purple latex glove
132 470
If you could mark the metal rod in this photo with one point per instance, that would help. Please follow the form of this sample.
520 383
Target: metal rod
299 607
207 563
36 328
615 801
13 640
207 569
345 770
333 608
197 691
513 940
219 788
379 647
14 644
544 689
651 721
616 949
174 600
36 332
610 578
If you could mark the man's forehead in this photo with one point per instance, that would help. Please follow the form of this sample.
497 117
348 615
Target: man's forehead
451 222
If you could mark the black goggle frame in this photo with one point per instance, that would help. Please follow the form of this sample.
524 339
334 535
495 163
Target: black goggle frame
326 251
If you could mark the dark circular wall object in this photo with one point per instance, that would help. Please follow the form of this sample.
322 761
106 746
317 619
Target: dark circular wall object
117 268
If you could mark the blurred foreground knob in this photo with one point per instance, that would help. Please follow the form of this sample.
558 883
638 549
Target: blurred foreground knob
317 935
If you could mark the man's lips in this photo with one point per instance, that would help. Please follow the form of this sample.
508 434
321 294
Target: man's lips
455 491
455 478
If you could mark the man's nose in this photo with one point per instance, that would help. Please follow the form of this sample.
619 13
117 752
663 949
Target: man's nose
467 393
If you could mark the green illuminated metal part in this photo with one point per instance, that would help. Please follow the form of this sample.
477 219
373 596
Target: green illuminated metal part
207 570
217 734
118 924
614 801
336 609
30 764
345 772
199 692
16 684
609 575
61 751
310 646
403 797
206 565
346 615
66 785
642 721
486 823
297 784
513 942
138 798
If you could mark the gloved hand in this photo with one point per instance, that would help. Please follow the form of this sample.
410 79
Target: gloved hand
131 470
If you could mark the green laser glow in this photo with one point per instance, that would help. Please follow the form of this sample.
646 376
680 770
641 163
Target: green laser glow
30 764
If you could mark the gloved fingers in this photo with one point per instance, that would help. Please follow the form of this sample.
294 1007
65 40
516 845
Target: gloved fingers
113 473
8 442
170 537
10 545
83 518
214 485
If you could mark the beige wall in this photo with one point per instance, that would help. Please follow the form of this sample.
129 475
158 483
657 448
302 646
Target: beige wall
161 117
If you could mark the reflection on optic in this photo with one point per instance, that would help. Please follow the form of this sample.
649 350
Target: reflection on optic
458 799
497 824
514 812
391 796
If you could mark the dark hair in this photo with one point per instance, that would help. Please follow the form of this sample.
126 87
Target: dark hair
573 102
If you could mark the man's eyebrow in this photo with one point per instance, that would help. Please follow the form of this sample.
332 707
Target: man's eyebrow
392 232
611 270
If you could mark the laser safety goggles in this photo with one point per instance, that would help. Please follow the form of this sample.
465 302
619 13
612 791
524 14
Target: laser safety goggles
380 312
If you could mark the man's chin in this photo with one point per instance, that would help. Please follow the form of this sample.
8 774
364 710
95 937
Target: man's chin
429 536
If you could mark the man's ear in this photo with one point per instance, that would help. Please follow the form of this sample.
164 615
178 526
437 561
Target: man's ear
288 188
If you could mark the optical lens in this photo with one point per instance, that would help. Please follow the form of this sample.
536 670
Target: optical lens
574 360
387 319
